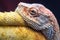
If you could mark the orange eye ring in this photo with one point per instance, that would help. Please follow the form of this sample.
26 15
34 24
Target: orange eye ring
33 11
33 8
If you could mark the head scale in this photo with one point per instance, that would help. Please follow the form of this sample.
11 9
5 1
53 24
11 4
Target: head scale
33 16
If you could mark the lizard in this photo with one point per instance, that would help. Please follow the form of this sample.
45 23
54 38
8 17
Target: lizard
38 17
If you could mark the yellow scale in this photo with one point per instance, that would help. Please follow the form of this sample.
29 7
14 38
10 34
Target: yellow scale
12 27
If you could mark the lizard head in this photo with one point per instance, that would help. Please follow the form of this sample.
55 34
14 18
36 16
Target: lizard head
35 15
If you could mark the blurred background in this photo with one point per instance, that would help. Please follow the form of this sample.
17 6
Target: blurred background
53 5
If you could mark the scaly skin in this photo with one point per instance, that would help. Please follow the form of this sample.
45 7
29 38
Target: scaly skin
39 17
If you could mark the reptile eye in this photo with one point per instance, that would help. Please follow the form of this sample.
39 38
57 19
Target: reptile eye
33 12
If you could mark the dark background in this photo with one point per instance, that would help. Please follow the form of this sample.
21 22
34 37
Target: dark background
53 5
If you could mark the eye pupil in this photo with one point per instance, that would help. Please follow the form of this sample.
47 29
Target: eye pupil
33 12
